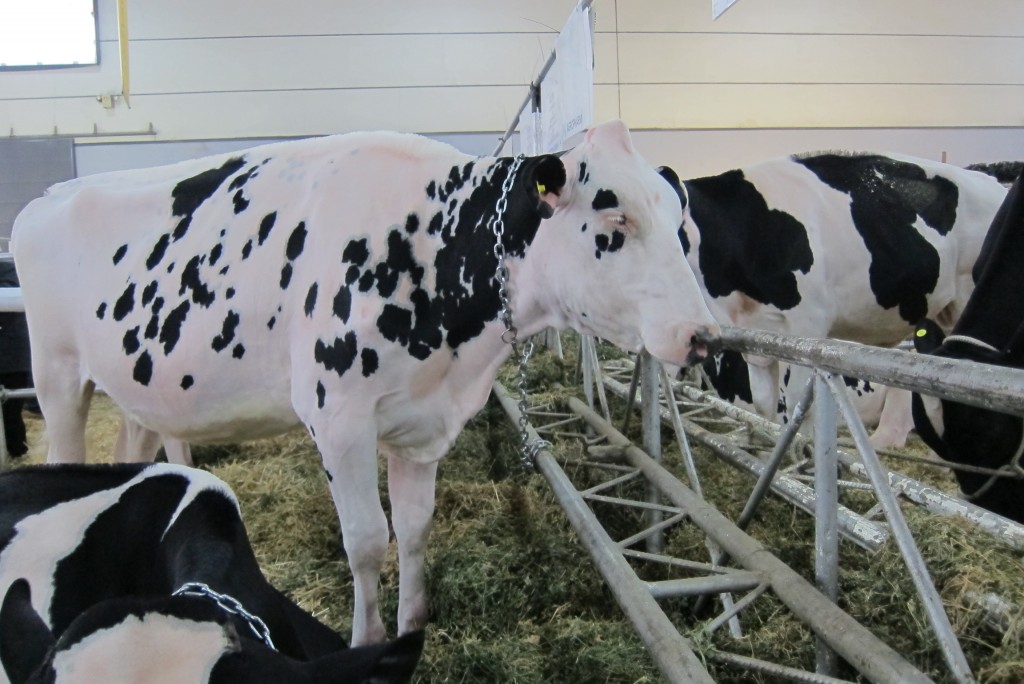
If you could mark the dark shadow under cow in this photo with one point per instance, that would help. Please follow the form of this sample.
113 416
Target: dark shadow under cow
991 330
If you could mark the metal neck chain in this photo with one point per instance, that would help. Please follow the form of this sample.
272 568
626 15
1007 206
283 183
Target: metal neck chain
230 605
528 448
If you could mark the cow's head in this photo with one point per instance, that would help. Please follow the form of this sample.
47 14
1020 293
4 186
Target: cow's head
991 330
606 261
173 639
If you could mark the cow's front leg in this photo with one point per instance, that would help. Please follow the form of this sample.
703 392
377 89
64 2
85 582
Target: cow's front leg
352 470
411 490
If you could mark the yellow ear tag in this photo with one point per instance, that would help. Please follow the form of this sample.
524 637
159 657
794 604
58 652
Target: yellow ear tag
921 333
541 188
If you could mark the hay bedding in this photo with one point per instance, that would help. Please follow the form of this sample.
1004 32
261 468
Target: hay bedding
514 597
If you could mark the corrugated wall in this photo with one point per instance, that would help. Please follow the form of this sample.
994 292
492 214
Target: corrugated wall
208 69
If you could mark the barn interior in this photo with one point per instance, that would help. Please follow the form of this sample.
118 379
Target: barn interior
514 595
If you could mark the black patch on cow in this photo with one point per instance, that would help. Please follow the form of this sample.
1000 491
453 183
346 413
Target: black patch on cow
399 260
158 304
330 478
119 254
412 223
310 300
246 249
240 202
286 276
101 310
125 303
143 371
684 240
356 252
296 242
338 356
606 244
604 199
148 293
745 246
190 193
170 267
227 332
243 178
321 394
342 306
886 198
395 324
238 351
435 224
130 341
370 361
584 228
153 327
366 281
729 375
583 177
190 280
116 548
229 293
223 271
159 249
187 381
170 332
265 226
272 322
351 275
215 253
432 190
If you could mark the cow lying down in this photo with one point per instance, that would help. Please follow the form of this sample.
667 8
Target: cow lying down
144 573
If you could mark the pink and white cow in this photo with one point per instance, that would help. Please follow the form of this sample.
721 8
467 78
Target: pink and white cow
856 246
346 284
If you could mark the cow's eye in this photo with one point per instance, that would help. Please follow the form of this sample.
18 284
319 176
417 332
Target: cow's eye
619 220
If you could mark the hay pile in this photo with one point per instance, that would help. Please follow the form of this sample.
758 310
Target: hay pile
514 597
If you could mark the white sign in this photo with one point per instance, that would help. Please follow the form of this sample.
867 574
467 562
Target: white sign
567 92
719 6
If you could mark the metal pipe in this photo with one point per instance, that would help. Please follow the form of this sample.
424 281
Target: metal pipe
710 584
855 643
650 374
919 574
11 300
826 490
672 654
977 384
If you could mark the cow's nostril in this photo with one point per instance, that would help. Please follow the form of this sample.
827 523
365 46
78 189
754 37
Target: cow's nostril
706 341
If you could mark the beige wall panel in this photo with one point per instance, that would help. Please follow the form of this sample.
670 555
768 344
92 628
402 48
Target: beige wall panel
254 115
161 19
820 106
606 58
312 62
730 58
919 17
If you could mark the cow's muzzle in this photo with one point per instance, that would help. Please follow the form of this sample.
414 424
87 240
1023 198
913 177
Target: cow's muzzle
703 344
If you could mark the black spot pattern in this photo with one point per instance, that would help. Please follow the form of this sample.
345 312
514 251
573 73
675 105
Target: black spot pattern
296 242
142 373
886 198
604 199
321 394
370 361
187 381
227 332
337 356
191 281
609 244
125 303
190 193
130 342
119 254
310 300
101 310
266 224
170 332
343 303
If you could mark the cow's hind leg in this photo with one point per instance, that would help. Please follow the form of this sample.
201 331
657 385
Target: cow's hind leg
411 490
351 467
64 399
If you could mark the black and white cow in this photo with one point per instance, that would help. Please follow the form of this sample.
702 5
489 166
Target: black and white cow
857 246
346 284
991 330
93 561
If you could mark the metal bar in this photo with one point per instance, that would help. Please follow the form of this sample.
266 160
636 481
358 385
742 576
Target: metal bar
11 300
826 490
634 383
653 530
631 503
763 666
734 610
650 372
672 654
614 482
977 384
855 643
713 584
930 598
602 398
672 560
865 533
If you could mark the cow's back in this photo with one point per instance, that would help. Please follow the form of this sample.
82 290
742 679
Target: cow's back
187 291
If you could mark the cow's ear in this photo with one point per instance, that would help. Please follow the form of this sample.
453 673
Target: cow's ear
24 637
928 336
545 179
670 175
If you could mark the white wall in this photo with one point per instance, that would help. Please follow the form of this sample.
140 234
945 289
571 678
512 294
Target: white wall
205 69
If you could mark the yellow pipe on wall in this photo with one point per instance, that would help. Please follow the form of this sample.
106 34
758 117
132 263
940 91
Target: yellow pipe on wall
122 41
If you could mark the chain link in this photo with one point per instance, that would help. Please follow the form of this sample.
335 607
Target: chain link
528 449
230 605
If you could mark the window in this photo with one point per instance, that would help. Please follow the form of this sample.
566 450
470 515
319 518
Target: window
47 33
